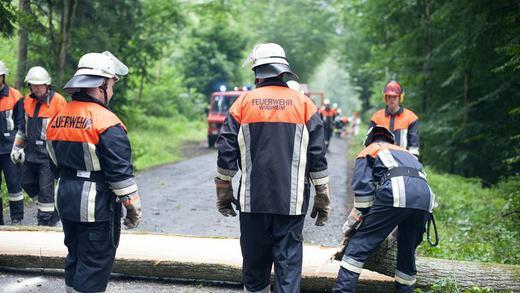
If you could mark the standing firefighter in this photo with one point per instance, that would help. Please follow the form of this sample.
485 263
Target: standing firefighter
11 116
89 145
328 115
402 122
39 106
390 191
275 136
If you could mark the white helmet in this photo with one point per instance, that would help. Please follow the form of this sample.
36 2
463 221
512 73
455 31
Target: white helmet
93 69
326 102
101 64
38 75
269 53
3 68
335 105
268 60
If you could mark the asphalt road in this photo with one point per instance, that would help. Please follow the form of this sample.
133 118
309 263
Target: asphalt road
179 198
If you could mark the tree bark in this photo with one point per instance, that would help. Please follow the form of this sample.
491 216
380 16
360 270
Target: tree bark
427 66
466 274
67 18
23 41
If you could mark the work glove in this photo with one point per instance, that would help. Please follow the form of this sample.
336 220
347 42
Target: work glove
17 155
321 206
352 223
133 210
225 197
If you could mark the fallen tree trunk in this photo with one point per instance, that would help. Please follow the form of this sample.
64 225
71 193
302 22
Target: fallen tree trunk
173 256
219 259
465 273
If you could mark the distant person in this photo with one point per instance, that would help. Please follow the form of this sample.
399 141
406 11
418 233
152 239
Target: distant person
37 178
356 122
402 122
11 116
274 135
328 115
390 191
91 153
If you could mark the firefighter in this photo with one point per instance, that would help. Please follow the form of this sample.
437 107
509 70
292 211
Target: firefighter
402 122
11 116
327 114
90 151
29 145
274 135
390 191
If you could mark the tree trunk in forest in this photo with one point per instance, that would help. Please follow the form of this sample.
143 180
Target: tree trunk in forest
466 274
67 19
23 41
427 66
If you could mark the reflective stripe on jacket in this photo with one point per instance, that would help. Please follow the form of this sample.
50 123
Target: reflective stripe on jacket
402 191
404 125
11 116
275 136
32 132
89 144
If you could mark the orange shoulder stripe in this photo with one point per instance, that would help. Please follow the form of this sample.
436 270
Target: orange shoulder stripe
273 104
373 149
7 103
81 122
380 118
405 119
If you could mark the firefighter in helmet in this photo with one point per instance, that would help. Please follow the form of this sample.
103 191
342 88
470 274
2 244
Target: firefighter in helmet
29 146
402 122
390 191
11 116
274 135
91 153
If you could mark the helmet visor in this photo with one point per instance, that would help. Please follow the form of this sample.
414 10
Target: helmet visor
83 81
119 67
274 70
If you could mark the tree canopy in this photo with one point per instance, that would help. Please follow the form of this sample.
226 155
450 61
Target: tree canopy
457 60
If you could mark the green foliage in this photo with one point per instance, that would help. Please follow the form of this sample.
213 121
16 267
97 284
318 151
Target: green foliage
7 18
214 50
476 223
158 140
457 61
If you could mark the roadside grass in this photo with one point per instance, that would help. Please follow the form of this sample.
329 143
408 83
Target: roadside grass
157 140
474 223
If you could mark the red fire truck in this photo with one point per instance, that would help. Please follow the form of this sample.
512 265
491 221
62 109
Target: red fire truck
218 109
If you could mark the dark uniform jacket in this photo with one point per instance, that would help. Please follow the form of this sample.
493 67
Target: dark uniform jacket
89 146
404 125
275 136
32 130
372 188
11 117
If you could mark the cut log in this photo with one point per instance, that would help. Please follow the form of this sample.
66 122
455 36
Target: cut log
431 270
172 256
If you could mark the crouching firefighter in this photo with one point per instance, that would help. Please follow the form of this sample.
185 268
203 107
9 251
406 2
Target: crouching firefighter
29 146
390 191
89 147
274 134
